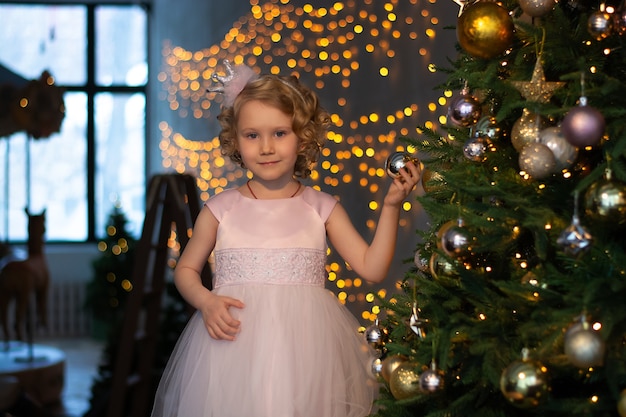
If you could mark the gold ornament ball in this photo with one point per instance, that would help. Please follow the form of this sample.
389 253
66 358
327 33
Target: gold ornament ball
605 201
404 381
621 404
525 130
525 383
389 364
485 29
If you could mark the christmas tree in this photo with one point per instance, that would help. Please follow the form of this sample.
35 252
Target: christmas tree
514 304
111 284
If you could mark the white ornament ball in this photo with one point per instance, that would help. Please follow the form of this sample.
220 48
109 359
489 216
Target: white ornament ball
537 160
564 152
584 347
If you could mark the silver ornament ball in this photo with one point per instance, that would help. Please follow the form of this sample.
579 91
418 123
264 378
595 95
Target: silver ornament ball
537 8
464 111
584 347
476 149
397 161
600 25
525 383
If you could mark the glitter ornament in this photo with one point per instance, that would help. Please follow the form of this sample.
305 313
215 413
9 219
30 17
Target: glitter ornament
537 160
404 381
584 347
564 153
432 180
431 380
389 364
464 110
600 24
526 129
525 383
583 125
605 200
476 149
397 161
537 8
537 89
485 29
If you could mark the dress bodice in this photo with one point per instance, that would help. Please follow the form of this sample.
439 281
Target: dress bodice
279 241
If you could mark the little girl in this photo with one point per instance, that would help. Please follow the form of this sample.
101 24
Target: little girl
269 340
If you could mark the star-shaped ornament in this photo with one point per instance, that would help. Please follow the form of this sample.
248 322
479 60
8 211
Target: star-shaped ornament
537 89
461 4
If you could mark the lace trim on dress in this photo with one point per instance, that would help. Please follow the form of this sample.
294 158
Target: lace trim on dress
270 266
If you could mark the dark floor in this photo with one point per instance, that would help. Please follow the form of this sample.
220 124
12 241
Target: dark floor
81 357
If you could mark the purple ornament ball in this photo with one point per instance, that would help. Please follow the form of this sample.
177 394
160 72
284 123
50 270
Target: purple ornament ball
583 126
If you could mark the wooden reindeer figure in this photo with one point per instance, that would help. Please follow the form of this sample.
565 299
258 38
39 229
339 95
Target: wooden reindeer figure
20 279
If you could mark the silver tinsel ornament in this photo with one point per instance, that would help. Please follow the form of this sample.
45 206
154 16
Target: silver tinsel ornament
575 240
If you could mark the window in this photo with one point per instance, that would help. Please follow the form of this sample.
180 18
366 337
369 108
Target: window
98 55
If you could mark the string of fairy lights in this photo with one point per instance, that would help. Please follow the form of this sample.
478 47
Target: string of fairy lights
340 51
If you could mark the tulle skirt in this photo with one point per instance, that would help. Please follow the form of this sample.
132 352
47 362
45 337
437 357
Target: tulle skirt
298 355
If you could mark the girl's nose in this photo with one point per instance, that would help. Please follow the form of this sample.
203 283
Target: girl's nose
267 145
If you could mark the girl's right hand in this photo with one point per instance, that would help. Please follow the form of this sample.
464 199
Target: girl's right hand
217 318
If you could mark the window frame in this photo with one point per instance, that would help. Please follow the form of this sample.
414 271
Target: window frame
91 90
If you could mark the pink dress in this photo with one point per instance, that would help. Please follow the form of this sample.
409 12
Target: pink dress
298 353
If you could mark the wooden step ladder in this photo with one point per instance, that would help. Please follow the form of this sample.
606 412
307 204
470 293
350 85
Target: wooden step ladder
171 204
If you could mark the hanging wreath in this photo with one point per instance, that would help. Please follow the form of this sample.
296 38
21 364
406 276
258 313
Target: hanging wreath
36 107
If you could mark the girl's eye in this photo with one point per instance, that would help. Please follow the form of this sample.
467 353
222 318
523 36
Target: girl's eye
281 133
251 135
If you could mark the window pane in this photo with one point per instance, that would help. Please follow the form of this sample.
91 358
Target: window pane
121 46
49 174
120 150
37 38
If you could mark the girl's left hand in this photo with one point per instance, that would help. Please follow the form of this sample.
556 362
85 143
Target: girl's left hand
403 184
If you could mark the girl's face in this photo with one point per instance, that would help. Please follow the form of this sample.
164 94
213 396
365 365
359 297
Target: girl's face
267 142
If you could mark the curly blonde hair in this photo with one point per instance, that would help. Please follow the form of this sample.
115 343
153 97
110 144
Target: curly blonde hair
310 121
